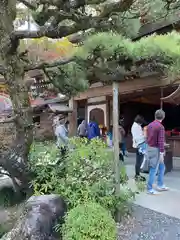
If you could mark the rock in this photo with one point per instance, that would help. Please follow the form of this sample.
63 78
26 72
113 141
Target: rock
40 215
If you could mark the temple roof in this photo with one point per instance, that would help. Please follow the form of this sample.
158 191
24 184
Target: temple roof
173 98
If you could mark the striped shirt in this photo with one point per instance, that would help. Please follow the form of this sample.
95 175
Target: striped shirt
156 135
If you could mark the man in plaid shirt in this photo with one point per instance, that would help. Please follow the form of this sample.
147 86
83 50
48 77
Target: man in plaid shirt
156 152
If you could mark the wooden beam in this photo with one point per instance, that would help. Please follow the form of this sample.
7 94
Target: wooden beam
125 87
158 26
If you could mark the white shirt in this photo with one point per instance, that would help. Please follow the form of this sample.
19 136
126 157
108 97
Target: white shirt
137 134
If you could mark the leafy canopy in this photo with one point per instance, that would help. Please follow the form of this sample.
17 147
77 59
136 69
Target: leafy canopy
110 55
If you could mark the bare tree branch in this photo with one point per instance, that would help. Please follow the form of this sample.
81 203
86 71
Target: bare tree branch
60 32
28 4
8 120
44 65
82 22
5 173
60 3
2 70
80 36
108 7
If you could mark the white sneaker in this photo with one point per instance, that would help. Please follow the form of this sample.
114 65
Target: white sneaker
162 188
152 192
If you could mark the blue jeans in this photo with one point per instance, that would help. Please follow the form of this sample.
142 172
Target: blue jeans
123 148
152 173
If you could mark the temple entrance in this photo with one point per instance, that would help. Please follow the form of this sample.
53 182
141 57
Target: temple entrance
97 114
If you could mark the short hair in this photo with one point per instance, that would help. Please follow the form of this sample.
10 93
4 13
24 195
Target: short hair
139 119
159 114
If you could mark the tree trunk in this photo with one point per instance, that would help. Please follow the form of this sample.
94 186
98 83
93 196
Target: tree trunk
15 160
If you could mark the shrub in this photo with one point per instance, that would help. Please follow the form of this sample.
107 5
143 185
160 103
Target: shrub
89 222
3 231
85 174
44 156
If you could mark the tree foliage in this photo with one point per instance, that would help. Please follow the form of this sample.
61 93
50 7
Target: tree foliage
110 56
155 51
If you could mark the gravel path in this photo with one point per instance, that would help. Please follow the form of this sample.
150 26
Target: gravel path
146 224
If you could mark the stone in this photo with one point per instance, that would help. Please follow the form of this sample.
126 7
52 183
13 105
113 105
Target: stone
38 219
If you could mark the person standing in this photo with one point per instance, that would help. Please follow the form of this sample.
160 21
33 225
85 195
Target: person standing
82 129
138 141
110 137
156 152
93 130
121 142
61 133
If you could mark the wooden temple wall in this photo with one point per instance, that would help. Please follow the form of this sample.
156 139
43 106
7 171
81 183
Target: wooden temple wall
93 96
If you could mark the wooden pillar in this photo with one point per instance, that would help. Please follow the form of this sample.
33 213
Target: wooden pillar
107 113
116 141
73 117
86 110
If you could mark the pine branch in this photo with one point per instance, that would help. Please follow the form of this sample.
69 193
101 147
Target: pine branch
8 120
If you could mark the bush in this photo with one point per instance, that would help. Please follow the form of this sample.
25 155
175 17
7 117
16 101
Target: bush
89 222
85 174
44 156
3 231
